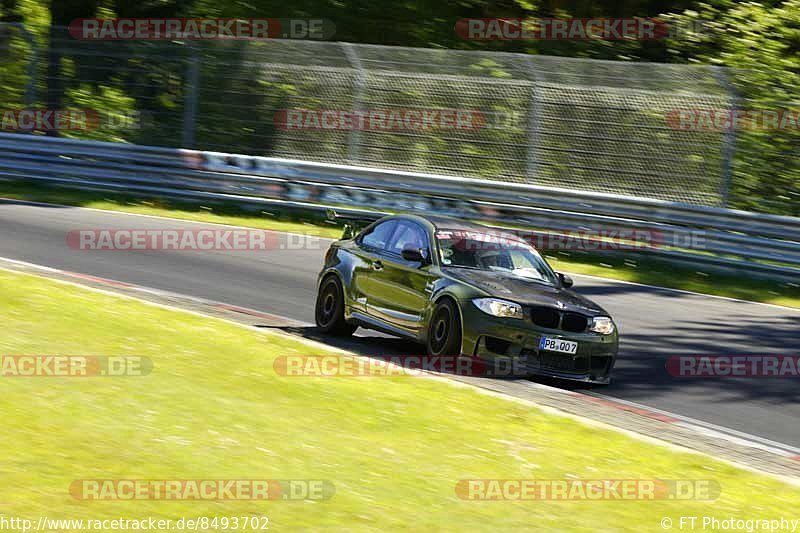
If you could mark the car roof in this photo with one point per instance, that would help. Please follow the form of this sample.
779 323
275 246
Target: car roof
441 222
455 224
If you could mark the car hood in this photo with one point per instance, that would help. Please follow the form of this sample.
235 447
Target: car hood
523 291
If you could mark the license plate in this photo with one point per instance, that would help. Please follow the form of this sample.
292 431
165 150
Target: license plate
558 345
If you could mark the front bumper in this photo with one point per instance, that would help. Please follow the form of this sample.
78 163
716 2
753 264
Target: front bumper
511 347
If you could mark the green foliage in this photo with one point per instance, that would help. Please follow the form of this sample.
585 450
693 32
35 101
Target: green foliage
761 45
758 42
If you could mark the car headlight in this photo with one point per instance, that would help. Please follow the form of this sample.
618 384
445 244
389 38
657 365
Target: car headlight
496 307
603 325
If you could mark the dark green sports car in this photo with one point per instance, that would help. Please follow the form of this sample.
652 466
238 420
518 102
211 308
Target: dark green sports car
463 289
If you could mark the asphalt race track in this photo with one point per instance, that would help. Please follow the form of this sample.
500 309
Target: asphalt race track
655 324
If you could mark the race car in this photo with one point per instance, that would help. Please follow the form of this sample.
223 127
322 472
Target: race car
464 290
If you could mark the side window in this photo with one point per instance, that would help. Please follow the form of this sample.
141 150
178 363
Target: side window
407 235
377 237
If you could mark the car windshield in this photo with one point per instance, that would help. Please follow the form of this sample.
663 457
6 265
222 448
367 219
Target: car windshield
493 252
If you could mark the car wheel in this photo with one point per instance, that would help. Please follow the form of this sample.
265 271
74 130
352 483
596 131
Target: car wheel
329 310
444 330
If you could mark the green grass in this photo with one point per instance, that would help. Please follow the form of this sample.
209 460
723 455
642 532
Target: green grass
212 407
624 266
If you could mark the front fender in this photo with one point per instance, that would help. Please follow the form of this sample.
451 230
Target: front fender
448 288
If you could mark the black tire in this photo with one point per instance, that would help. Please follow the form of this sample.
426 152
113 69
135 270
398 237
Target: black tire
444 330
329 309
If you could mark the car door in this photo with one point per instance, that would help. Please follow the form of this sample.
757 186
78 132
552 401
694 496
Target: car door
368 245
399 289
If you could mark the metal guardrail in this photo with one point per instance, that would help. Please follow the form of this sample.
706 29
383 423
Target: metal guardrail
700 235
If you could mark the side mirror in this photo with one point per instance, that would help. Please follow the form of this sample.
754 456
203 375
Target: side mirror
566 281
414 254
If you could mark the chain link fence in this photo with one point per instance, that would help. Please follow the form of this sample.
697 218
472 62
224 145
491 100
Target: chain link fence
569 123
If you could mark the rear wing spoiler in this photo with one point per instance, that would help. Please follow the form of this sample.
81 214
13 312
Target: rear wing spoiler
353 223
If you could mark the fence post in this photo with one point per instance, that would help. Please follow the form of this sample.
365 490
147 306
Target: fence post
354 138
534 119
190 97
729 139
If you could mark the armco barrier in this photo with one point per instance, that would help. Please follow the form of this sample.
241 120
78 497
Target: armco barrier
702 235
